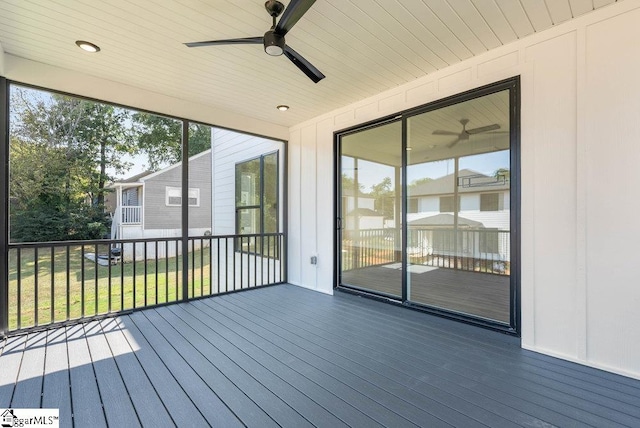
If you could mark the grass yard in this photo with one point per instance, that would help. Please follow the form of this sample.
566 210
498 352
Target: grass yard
94 289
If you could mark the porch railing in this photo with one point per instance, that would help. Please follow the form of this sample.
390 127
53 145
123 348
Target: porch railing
480 250
56 282
131 214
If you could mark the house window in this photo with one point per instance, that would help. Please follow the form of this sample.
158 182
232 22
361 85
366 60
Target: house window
257 189
489 202
446 204
173 197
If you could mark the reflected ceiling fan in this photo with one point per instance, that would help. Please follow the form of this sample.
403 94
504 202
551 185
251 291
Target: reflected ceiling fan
464 135
273 40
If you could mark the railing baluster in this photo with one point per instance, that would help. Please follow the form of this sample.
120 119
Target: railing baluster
121 276
53 281
145 274
109 258
19 285
68 256
167 276
226 264
268 259
218 260
193 267
177 271
82 280
134 245
241 259
210 266
156 269
35 284
201 267
255 261
96 280
262 260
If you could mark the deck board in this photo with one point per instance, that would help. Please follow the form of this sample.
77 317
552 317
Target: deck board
256 368
286 356
149 407
29 384
117 405
192 380
560 405
56 392
292 368
85 395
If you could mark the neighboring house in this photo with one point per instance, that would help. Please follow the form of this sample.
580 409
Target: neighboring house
364 218
482 221
481 198
148 205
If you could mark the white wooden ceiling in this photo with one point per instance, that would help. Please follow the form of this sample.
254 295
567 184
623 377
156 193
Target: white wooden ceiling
362 46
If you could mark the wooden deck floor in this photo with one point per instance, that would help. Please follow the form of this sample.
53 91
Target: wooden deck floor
289 357
473 293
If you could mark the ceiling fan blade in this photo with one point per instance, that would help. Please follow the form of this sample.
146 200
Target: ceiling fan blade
292 15
304 65
483 129
244 41
454 142
441 132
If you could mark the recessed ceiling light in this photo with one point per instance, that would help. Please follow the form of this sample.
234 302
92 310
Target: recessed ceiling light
283 107
87 46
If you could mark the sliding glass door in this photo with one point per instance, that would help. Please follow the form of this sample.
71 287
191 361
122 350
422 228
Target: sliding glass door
458 174
370 200
427 206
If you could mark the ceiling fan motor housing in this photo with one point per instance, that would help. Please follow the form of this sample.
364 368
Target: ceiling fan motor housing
273 43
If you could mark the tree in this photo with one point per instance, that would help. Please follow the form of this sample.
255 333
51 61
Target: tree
348 183
502 174
160 138
384 198
61 148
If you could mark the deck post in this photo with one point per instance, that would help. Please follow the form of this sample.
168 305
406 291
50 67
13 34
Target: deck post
4 206
185 211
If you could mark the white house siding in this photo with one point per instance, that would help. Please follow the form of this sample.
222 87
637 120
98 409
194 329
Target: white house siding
580 102
230 148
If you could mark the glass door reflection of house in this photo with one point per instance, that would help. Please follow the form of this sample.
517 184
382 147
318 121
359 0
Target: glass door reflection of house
455 182
371 253
458 233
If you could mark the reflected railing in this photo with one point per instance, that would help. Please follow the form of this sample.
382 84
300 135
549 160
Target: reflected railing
477 250
56 282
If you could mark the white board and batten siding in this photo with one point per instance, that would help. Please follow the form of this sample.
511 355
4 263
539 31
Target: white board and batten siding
580 154
229 149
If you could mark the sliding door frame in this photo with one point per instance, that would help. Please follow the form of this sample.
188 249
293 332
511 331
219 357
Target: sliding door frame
511 84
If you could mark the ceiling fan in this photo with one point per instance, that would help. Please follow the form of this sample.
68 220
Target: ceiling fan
464 135
273 40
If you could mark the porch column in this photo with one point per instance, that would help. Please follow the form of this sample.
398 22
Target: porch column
4 207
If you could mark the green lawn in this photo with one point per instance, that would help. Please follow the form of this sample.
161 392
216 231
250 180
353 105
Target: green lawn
89 287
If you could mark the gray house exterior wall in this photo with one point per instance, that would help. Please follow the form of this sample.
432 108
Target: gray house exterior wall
157 215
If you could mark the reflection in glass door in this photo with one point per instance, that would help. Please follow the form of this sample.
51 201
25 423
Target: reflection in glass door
458 223
370 200
451 167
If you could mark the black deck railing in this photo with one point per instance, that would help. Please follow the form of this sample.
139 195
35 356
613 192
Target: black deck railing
480 250
58 282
